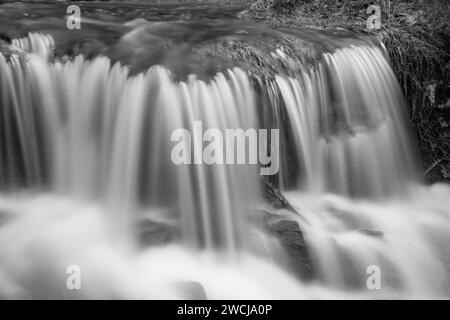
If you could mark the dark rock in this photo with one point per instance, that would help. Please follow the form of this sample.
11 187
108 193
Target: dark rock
275 197
5 38
153 233
372 233
291 238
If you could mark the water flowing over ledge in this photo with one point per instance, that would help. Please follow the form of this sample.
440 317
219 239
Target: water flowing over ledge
94 141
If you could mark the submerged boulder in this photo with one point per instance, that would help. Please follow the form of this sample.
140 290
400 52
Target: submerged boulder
155 233
372 233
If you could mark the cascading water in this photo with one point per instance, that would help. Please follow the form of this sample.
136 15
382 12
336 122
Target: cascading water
348 134
347 123
95 141
108 142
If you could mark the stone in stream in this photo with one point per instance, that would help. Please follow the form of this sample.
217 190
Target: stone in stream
289 234
191 290
372 233
287 231
153 233
5 42
5 39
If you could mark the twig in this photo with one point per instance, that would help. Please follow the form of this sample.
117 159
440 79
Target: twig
435 164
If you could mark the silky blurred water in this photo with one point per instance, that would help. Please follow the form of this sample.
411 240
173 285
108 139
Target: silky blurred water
85 158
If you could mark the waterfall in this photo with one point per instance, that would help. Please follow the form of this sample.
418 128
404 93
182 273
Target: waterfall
354 177
91 132
40 44
347 126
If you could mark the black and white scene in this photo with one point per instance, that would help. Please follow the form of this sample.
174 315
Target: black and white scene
225 150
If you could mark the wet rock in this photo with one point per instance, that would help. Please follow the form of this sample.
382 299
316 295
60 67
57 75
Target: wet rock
372 233
275 197
291 238
153 233
5 38
5 42
90 48
191 290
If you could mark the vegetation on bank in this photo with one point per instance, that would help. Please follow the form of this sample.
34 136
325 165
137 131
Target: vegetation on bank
417 37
